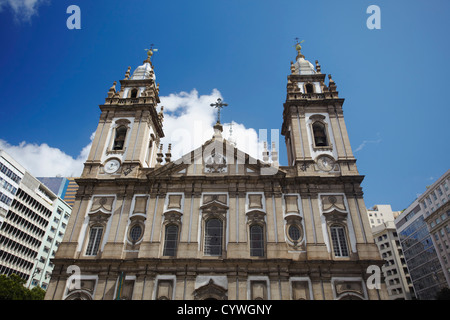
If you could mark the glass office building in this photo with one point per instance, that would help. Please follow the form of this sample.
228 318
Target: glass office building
421 258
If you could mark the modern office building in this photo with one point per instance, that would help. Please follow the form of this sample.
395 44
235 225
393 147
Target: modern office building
58 185
11 173
71 191
436 205
396 274
420 254
52 239
398 282
32 228
380 214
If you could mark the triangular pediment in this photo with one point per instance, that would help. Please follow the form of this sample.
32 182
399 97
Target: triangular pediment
216 157
214 206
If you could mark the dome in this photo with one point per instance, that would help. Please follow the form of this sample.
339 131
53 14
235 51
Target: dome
303 66
143 72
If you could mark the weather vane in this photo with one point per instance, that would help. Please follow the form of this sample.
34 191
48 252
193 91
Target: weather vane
219 105
150 52
298 47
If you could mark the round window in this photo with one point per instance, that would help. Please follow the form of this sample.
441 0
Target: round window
294 233
135 233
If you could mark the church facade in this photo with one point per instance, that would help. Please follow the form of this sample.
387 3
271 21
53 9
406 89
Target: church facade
217 223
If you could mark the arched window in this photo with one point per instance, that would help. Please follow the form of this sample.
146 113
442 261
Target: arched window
256 241
119 140
309 88
95 237
133 93
339 240
213 237
320 135
170 241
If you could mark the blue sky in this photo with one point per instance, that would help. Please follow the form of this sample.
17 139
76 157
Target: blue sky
394 80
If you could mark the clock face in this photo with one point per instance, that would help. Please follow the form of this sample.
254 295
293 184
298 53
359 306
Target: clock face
112 166
325 163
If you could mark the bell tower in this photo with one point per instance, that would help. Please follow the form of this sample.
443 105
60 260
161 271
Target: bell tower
313 122
130 127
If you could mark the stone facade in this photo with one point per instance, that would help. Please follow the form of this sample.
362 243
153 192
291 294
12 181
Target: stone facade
218 224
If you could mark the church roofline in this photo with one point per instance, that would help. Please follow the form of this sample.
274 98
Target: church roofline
229 150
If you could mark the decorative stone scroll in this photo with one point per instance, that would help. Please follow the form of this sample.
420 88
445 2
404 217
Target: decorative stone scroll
214 205
334 208
100 203
216 164
349 289
333 202
255 217
101 210
212 289
172 216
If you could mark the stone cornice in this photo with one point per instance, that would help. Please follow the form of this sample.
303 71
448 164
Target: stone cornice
195 185
136 82
231 266
317 77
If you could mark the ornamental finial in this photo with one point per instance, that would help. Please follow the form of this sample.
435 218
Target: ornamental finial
150 53
298 47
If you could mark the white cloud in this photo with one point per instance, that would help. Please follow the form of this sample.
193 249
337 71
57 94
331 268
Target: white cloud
188 123
364 143
188 120
22 9
45 161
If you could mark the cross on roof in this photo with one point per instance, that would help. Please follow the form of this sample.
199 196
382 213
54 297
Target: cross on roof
219 105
